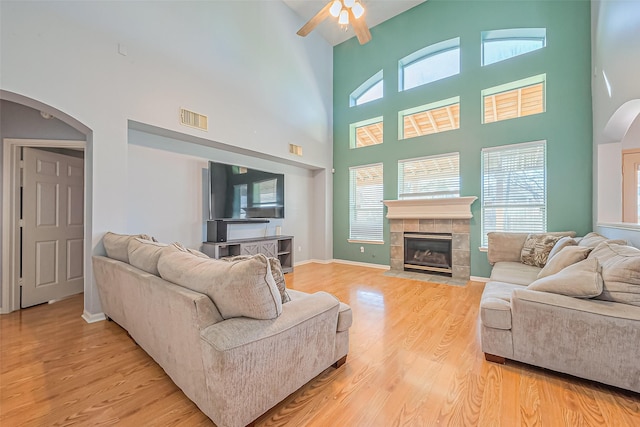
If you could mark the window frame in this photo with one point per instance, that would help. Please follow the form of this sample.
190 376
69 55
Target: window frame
353 129
485 204
426 53
366 87
518 84
511 34
378 238
423 108
401 179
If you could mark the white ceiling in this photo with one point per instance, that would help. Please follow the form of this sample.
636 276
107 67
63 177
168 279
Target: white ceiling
377 11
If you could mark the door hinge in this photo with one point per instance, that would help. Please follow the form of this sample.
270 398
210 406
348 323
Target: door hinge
21 164
21 223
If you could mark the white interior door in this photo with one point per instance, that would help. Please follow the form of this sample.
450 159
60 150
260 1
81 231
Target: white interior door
53 226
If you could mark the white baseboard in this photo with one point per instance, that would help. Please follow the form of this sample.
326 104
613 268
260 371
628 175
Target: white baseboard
479 279
313 261
342 261
92 318
362 264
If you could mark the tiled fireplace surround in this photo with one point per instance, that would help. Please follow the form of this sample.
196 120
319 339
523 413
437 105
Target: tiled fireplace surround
434 216
459 229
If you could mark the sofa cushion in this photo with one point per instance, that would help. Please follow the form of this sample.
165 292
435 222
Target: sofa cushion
144 254
495 305
536 249
180 247
580 280
592 240
514 272
276 270
117 245
561 244
241 288
620 272
566 257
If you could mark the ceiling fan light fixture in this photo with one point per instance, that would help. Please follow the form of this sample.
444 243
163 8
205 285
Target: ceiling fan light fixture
349 3
344 17
335 9
357 10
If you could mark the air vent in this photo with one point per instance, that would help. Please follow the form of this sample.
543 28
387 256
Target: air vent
295 149
194 120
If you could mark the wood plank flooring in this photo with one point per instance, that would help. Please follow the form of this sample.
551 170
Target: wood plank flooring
414 360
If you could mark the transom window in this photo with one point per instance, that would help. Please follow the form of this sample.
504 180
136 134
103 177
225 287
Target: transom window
429 177
366 133
431 118
498 45
366 213
368 91
429 64
514 188
516 99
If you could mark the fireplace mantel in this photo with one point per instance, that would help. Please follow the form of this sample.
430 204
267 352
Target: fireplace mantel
445 208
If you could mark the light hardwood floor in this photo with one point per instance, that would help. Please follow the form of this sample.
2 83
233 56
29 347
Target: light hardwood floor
414 360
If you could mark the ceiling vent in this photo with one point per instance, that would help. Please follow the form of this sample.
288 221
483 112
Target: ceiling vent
194 120
295 149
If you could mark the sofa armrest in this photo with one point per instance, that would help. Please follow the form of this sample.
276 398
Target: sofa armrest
603 308
504 246
239 331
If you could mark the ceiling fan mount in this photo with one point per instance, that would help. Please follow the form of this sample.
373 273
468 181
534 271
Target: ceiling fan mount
348 12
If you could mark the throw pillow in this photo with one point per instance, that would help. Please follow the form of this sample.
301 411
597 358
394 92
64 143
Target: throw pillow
592 240
580 280
620 272
240 288
117 245
561 244
566 257
144 254
276 270
536 249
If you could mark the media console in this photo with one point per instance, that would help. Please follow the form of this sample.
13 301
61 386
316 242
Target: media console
271 246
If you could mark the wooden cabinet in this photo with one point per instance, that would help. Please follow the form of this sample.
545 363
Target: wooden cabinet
272 246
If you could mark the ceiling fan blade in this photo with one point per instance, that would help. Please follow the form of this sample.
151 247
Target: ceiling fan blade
360 27
317 19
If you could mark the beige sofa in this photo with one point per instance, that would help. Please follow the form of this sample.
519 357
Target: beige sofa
233 367
593 334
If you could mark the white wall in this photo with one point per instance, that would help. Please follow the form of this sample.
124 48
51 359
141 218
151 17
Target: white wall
174 207
239 62
616 54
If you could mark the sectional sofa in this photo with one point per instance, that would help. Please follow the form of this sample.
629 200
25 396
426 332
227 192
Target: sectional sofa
565 304
220 329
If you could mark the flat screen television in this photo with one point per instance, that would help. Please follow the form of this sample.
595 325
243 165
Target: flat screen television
238 192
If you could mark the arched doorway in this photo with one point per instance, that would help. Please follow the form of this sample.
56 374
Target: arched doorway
10 300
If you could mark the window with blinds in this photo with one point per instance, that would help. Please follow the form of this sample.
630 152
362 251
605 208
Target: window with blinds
429 177
366 214
514 188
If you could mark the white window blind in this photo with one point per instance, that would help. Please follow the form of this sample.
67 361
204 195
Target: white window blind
366 213
514 188
429 177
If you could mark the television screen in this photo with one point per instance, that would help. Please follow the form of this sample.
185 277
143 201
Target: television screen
237 192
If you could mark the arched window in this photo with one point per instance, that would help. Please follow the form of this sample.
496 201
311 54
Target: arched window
498 45
368 91
434 62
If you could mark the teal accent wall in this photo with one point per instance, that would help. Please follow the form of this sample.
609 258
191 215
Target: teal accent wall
566 125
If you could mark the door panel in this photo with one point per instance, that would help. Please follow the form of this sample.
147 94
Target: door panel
630 169
53 230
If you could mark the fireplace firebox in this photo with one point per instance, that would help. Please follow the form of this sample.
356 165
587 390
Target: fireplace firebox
428 253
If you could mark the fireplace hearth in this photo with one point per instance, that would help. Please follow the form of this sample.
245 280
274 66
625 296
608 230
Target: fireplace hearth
428 253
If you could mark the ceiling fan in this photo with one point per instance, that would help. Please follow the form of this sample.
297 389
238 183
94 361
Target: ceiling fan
347 11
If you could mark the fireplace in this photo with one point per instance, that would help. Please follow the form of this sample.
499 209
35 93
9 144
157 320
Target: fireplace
428 253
